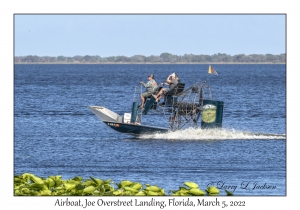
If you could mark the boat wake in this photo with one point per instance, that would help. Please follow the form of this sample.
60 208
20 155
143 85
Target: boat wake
211 134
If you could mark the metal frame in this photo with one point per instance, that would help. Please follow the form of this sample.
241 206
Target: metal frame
186 108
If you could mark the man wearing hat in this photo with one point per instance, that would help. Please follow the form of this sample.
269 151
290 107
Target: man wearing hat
150 86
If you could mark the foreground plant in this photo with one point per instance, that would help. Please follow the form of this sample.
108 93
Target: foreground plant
30 185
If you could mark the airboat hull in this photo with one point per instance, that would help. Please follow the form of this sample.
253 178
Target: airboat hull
135 129
118 123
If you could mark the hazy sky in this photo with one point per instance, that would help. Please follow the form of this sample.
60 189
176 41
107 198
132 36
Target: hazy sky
128 35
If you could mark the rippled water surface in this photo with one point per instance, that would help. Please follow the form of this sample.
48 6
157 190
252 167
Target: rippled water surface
56 134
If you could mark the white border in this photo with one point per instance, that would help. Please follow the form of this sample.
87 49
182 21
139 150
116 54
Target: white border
8 8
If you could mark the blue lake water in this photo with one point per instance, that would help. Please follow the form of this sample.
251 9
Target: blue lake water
56 134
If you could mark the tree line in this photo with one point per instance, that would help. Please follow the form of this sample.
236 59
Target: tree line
162 58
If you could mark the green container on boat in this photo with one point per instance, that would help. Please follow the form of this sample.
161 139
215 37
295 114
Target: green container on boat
212 114
134 112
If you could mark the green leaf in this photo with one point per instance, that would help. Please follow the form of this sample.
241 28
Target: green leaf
191 185
137 186
153 189
57 180
141 193
38 187
108 181
118 192
213 190
80 187
45 192
49 182
131 189
26 176
77 178
229 193
88 183
89 189
69 186
151 193
18 192
195 191
25 191
36 179
19 180
97 181
126 183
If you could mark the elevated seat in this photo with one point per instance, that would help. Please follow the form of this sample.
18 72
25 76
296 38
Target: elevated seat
177 90
171 95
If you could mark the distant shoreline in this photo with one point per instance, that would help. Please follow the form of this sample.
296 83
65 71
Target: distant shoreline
163 58
165 63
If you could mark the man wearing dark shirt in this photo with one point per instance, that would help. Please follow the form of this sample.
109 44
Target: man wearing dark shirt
172 81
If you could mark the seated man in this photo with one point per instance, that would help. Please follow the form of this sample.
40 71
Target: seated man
172 81
150 86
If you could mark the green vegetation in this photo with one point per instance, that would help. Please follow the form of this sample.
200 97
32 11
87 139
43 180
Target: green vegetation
163 58
30 185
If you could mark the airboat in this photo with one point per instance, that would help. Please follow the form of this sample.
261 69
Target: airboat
184 108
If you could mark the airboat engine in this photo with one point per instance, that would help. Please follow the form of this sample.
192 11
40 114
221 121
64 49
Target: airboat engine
197 103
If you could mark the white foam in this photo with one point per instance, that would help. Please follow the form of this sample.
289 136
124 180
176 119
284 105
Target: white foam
211 134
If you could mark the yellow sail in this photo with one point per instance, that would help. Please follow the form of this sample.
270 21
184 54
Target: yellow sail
212 71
